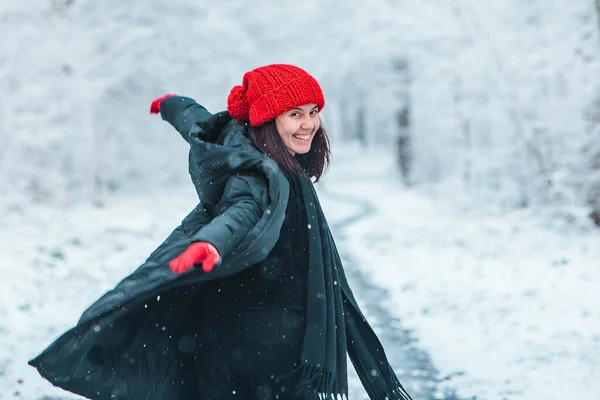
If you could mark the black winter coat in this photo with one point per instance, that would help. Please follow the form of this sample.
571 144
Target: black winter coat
117 349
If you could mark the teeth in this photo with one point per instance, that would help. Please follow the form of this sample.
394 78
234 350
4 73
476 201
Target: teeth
302 137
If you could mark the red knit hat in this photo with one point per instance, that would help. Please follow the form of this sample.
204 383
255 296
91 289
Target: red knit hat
271 90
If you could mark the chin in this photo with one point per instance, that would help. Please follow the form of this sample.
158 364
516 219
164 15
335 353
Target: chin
301 151
299 147
302 148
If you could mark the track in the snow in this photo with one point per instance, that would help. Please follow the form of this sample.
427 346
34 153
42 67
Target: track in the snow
413 365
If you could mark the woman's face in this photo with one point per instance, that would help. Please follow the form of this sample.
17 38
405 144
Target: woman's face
297 127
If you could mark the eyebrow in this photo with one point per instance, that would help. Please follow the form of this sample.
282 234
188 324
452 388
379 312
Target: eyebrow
298 108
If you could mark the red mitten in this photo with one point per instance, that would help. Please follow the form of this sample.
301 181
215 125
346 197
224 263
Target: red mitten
197 253
155 106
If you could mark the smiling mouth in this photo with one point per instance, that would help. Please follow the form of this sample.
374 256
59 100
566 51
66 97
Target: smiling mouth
301 137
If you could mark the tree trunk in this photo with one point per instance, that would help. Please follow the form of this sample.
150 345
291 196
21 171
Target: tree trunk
404 146
361 122
346 123
598 13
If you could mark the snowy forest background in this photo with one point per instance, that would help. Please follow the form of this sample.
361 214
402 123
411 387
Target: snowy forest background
466 163
497 100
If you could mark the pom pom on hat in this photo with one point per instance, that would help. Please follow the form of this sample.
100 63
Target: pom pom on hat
237 104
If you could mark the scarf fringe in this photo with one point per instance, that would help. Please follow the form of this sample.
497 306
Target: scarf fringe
384 389
332 396
314 382
391 393
395 390
396 394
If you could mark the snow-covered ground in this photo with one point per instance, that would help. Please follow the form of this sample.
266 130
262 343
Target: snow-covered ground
56 262
504 303
508 301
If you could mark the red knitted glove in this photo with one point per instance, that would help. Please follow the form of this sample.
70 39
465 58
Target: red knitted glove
155 106
197 253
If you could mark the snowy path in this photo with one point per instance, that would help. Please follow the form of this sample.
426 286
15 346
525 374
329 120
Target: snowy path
503 306
504 303
413 365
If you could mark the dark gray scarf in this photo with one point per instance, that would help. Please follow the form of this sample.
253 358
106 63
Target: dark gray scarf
335 324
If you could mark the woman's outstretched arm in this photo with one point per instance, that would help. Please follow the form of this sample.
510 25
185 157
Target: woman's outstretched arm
187 116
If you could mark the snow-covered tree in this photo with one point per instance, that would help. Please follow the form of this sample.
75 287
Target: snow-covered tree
500 91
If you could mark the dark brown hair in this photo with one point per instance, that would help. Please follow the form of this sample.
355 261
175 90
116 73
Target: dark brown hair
312 164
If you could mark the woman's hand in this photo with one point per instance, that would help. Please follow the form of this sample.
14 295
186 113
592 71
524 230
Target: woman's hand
197 253
155 106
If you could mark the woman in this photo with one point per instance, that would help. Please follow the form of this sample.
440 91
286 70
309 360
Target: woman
269 315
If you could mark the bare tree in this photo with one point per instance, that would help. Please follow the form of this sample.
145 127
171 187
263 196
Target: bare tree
361 121
598 13
346 124
593 195
404 156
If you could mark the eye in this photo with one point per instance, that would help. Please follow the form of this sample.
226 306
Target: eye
295 114
314 112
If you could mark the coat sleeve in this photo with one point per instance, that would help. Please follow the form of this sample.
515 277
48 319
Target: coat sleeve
185 115
240 209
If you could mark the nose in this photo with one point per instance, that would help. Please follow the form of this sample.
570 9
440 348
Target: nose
307 125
